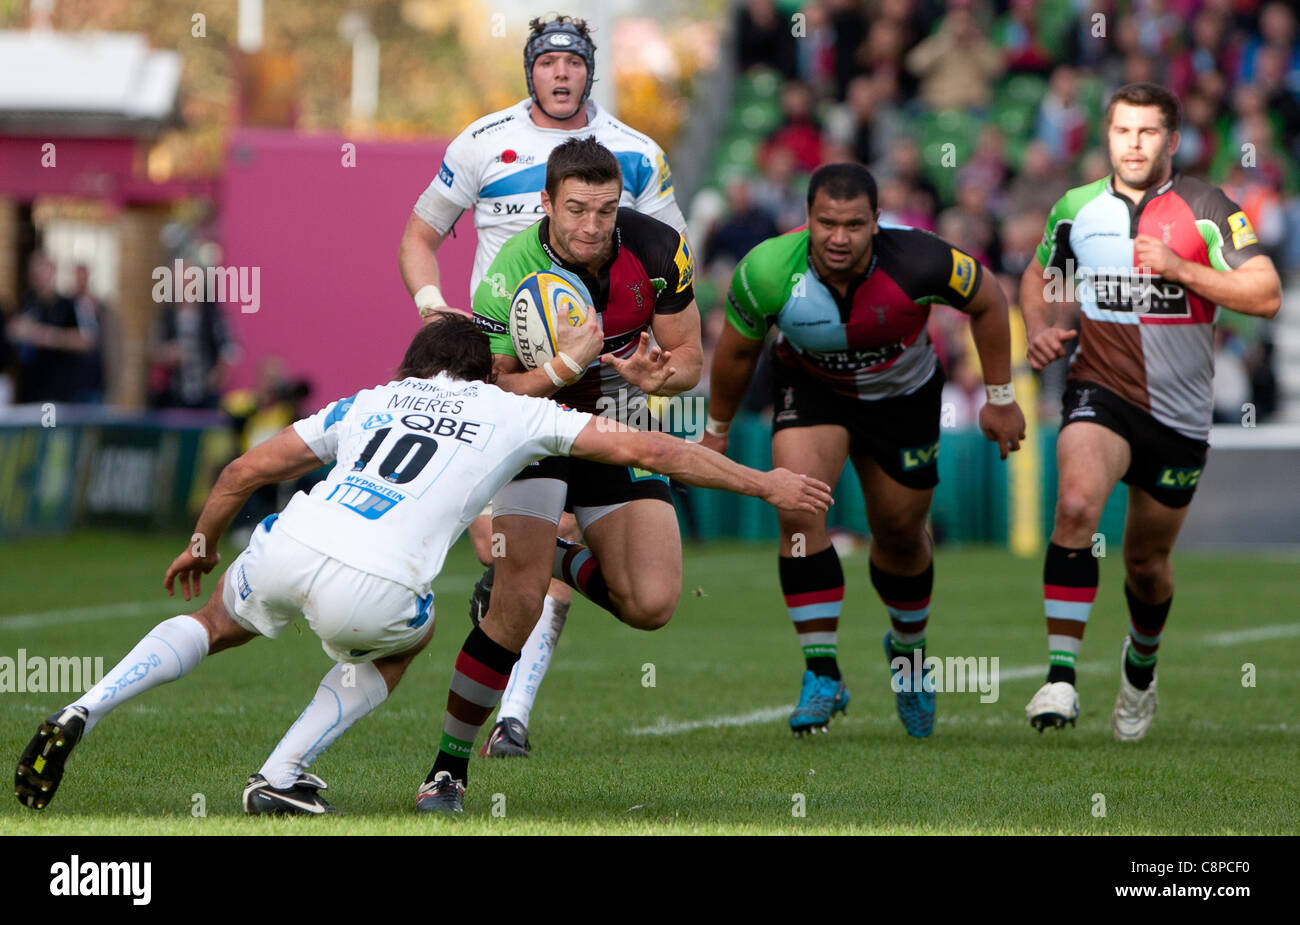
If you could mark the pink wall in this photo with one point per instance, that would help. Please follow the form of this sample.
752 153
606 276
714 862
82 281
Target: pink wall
325 237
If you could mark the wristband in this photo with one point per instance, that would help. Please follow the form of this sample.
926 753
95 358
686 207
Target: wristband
559 383
571 363
1001 394
715 427
429 299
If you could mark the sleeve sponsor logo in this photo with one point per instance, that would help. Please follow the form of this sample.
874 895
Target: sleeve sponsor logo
446 174
962 279
490 326
1243 234
685 265
665 176
740 312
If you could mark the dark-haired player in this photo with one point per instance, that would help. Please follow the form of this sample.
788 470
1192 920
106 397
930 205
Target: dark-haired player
496 168
1154 253
857 378
637 272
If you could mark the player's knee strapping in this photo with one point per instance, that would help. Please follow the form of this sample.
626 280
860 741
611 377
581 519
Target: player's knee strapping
907 598
813 587
482 670
1070 578
1145 627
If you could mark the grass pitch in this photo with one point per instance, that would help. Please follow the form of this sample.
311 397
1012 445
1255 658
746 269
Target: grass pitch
705 749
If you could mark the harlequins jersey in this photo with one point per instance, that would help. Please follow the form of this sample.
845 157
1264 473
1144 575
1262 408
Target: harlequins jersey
650 273
1147 339
871 343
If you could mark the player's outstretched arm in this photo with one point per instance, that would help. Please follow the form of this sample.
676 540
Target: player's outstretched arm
607 441
281 458
734 360
1046 340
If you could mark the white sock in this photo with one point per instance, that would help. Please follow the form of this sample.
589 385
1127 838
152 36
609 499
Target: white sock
534 659
336 706
171 649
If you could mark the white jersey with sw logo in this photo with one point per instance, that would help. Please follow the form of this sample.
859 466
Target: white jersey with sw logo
497 166
415 462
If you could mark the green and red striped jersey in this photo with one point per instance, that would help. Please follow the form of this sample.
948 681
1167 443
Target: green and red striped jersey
1147 339
870 343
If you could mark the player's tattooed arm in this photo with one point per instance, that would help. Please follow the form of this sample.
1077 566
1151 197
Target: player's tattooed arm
283 457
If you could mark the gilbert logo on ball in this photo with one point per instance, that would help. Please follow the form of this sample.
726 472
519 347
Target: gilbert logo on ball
540 303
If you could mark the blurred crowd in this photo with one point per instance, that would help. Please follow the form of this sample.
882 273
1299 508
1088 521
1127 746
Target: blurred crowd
975 117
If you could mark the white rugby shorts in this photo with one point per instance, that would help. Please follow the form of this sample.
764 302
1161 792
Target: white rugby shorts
357 616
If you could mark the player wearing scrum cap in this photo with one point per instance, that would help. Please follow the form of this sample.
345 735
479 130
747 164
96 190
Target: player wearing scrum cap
497 168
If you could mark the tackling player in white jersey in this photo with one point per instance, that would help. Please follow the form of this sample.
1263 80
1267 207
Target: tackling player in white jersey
497 168
416 459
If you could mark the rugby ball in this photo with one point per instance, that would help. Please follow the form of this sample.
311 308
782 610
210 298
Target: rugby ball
543 301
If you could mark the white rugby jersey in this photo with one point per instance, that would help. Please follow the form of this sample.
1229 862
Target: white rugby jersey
415 462
497 166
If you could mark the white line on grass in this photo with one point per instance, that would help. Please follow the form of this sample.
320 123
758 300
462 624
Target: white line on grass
1258 634
59 616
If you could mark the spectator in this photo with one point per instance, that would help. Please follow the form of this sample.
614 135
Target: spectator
1039 183
1211 51
957 64
1021 37
850 30
1279 99
50 339
1277 29
1062 123
963 394
6 362
1231 378
979 235
195 353
745 227
898 206
777 193
1199 139
815 51
1021 234
1086 39
987 166
90 312
764 38
799 132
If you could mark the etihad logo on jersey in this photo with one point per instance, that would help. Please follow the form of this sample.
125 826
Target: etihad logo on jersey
1179 479
918 457
1243 234
962 279
854 361
446 174
685 265
1130 289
